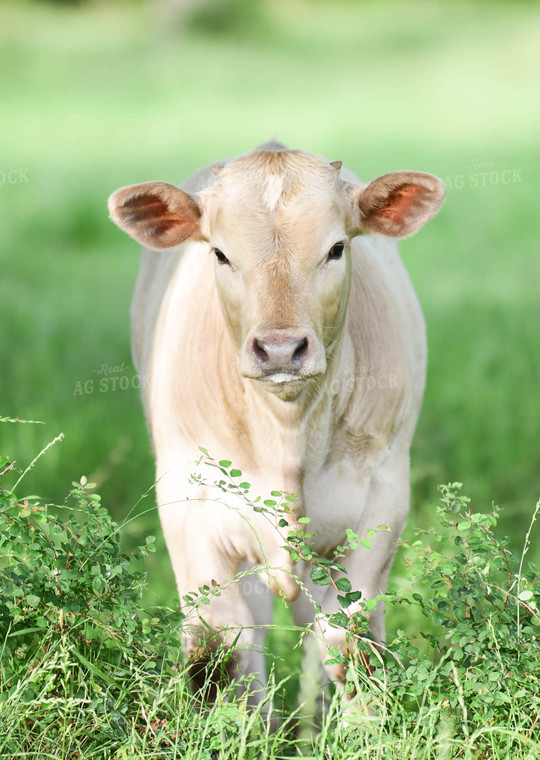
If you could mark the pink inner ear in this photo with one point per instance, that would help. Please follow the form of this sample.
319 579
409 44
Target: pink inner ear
150 208
401 201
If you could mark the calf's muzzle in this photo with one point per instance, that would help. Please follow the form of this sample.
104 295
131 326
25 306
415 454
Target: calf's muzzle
280 353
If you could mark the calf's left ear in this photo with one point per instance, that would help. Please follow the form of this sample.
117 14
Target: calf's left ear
156 214
396 204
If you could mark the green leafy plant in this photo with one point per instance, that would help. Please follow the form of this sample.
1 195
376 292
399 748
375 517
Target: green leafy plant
472 677
73 633
86 671
477 666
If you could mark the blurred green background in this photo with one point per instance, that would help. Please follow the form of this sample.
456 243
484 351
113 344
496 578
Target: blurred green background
96 95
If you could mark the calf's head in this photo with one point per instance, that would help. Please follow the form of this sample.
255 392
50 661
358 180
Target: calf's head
278 225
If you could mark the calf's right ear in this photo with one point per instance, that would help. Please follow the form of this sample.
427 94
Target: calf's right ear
156 214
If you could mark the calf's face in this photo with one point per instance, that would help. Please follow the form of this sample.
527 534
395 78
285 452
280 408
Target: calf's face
278 225
282 265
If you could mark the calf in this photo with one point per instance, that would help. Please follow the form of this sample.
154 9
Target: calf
274 323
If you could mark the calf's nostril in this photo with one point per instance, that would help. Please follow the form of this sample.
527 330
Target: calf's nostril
259 351
301 351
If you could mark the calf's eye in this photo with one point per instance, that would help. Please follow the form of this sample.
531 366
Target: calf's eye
336 251
220 256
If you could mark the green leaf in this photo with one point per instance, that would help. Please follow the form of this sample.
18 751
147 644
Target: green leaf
319 576
32 600
339 660
349 598
92 667
235 473
339 619
524 596
304 520
225 463
343 584
98 585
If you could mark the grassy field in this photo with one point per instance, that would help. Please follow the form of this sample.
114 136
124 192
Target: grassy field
103 95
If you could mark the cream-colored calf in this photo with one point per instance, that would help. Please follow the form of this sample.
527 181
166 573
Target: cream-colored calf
277 327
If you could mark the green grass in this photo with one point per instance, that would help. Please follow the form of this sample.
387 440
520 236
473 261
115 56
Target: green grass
87 670
101 95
